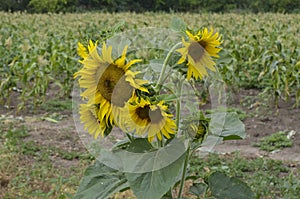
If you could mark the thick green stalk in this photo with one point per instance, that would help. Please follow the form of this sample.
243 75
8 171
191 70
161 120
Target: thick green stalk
178 104
164 67
129 137
184 172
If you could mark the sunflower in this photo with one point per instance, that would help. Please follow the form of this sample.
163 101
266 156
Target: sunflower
150 118
89 116
108 83
198 52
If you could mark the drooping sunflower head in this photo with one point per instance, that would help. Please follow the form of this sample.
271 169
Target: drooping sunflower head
198 52
107 82
195 127
89 117
150 119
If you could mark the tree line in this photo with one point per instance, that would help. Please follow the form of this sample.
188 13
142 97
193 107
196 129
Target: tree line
44 6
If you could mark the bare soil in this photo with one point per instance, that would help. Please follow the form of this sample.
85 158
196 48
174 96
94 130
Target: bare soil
262 120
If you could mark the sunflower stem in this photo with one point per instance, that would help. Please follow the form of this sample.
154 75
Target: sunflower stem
170 193
129 137
164 66
178 103
184 172
161 142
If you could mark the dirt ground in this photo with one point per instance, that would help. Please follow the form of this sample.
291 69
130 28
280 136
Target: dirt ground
261 120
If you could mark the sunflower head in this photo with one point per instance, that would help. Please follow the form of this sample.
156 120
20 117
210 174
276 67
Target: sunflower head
195 126
109 83
151 119
89 116
113 87
198 51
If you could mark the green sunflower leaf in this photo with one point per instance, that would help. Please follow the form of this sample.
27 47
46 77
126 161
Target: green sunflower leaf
227 125
155 183
223 186
167 97
100 181
140 145
198 189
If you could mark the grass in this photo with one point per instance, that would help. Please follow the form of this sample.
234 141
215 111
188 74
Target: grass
274 142
267 178
48 57
54 105
35 63
28 171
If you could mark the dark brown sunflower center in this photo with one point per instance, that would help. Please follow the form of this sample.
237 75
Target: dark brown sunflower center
196 50
113 86
145 113
203 43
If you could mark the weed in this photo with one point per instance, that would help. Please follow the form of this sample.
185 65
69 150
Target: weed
53 105
27 170
273 142
268 178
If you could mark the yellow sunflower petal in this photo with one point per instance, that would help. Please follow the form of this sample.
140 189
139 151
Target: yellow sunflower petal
99 77
199 58
190 35
122 59
82 51
130 63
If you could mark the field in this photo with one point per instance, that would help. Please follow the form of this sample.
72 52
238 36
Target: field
41 154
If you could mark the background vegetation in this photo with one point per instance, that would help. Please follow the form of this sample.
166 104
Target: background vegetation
41 6
39 58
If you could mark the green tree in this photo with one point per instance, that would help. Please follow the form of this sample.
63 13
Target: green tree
48 5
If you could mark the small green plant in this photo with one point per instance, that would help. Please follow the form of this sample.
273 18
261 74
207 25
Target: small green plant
275 141
53 105
29 169
267 178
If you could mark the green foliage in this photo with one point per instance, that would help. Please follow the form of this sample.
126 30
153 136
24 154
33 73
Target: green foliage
39 56
28 169
154 184
275 141
13 5
242 115
223 186
143 173
227 125
48 5
151 172
53 105
153 5
218 185
266 177
15 143
100 181
262 59
199 189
